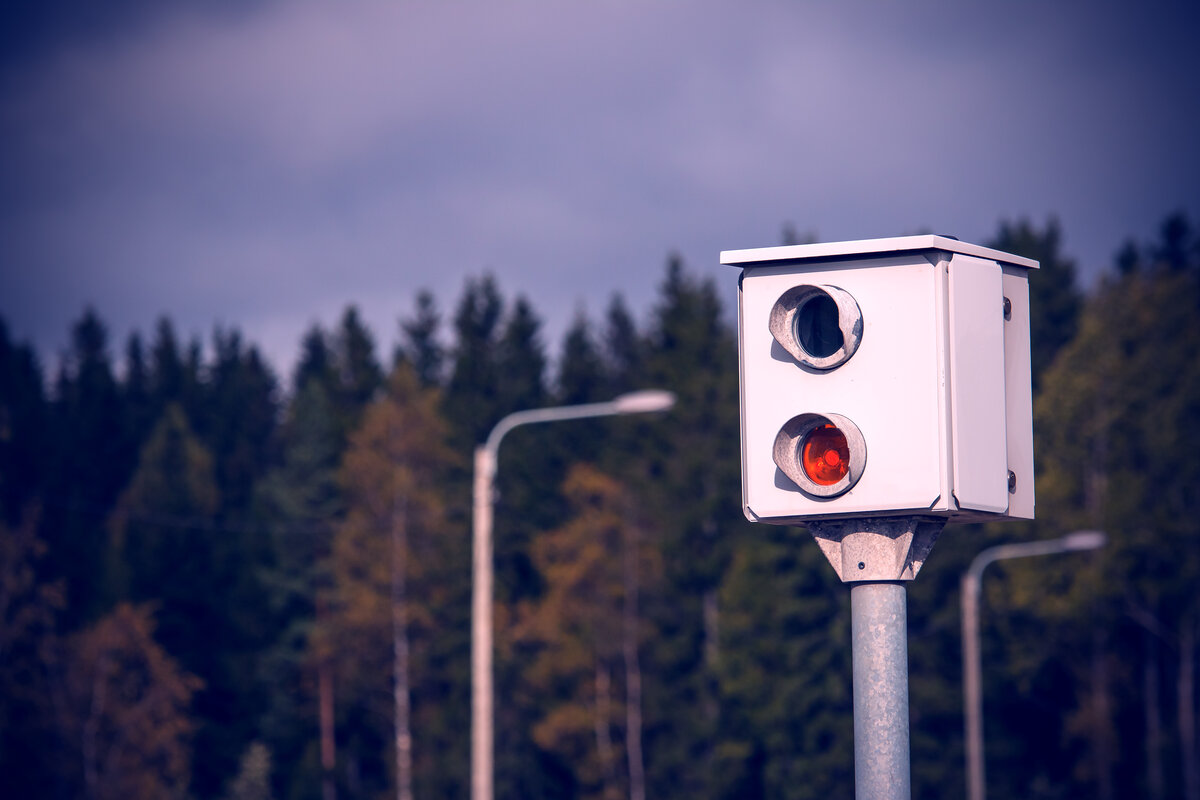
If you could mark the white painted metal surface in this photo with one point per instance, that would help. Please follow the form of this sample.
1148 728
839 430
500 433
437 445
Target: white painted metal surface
864 247
1018 394
938 387
977 416
889 387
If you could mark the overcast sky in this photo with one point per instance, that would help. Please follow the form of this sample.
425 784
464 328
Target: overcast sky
263 168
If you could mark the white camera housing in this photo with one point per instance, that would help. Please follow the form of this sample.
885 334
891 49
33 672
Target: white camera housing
921 344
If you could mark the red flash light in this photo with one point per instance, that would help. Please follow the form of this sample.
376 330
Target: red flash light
825 455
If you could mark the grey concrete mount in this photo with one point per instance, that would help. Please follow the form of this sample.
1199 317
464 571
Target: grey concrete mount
877 548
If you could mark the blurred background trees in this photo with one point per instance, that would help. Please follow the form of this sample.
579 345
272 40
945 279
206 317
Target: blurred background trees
218 583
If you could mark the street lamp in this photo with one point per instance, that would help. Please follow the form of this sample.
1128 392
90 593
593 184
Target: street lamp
972 694
482 748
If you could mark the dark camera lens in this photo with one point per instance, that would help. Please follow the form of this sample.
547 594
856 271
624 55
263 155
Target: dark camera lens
817 328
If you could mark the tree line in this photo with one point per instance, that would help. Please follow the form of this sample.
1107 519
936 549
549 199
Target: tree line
217 583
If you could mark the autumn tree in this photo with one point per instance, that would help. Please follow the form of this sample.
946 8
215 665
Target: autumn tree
29 608
387 561
586 631
124 709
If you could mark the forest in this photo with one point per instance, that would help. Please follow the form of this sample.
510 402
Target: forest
217 582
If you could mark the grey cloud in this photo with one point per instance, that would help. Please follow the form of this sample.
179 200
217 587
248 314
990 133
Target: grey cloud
266 168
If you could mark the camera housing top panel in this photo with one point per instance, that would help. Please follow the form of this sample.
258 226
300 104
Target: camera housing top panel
884 377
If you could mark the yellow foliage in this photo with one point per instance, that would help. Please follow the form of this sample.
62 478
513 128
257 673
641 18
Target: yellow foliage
578 627
127 709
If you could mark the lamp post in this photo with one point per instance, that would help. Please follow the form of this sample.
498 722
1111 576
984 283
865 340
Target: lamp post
482 746
972 680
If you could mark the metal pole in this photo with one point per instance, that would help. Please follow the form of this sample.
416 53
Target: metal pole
972 691
879 629
481 627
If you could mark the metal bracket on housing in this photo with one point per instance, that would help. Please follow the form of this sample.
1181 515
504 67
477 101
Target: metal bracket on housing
877 548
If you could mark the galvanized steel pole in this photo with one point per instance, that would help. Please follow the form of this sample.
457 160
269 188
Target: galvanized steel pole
481 626
879 629
972 692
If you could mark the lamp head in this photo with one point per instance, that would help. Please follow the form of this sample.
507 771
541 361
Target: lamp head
1084 540
644 401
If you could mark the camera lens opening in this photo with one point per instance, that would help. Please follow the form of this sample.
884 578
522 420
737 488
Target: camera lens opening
817 326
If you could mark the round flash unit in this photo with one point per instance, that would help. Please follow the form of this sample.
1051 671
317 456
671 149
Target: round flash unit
819 326
823 454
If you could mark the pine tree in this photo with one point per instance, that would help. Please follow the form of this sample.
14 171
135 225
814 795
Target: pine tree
472 398
140 413
316 361
239 420
624 349
692 352
581 377
172 494
89 467
785 673
529 468
303 503
175 373
419 345
521 360
23 433
358 370
344 362
1178 248
166 548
